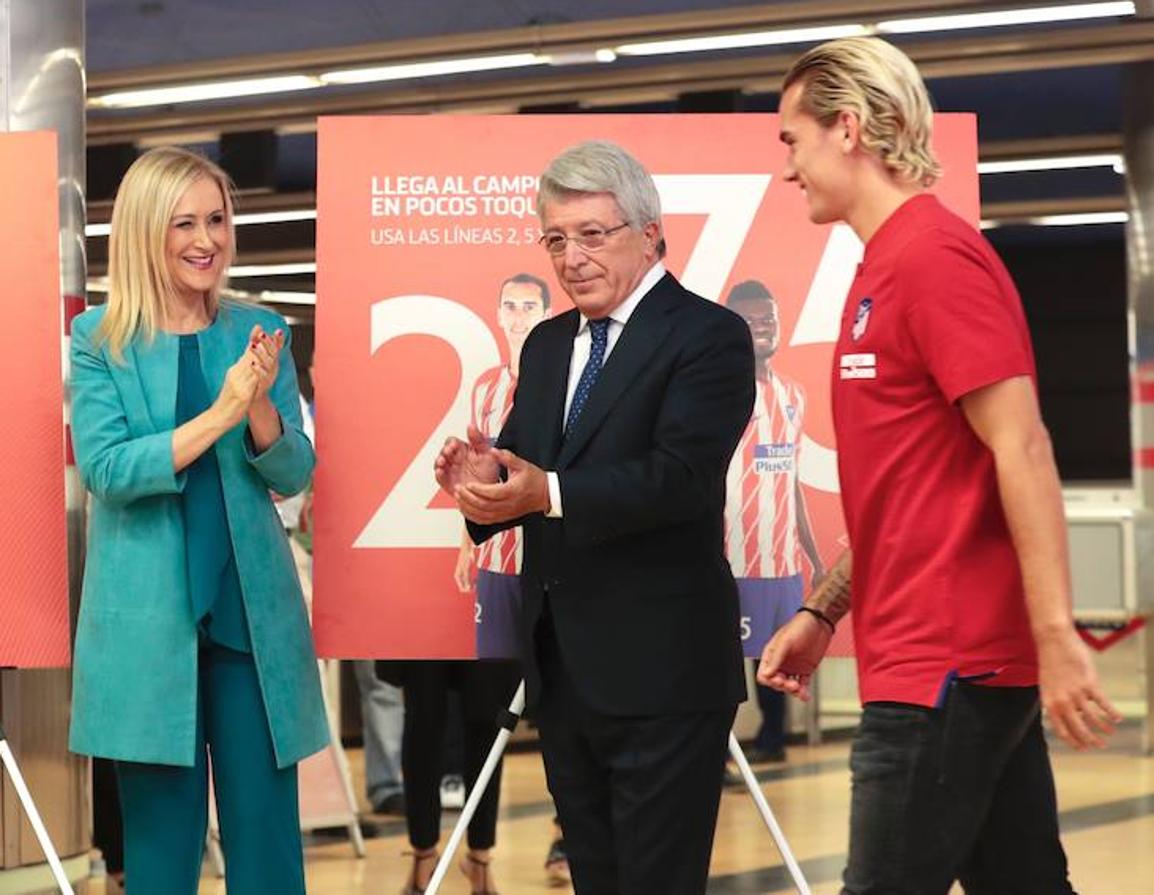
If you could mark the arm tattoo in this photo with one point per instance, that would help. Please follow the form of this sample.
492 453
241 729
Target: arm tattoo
832 596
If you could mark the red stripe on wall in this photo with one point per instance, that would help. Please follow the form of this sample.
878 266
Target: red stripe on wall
73 307
1144 383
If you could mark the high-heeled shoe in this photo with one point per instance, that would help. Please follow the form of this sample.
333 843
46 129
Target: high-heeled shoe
468 864
420 857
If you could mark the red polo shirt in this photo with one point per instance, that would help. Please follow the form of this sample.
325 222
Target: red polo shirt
937 590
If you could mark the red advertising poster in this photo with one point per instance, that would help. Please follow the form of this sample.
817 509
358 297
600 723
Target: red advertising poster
34 559
429 278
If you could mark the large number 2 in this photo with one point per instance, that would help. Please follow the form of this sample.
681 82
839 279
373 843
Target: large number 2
404 518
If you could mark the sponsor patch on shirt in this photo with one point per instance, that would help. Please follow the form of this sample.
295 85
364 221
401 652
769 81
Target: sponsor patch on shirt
859 366
774 457
861 319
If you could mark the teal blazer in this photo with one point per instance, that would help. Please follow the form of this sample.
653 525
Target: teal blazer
134 679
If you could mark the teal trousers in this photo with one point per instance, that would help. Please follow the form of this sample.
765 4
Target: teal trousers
165 808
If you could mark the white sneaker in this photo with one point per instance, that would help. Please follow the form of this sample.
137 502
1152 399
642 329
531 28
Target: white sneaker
452 792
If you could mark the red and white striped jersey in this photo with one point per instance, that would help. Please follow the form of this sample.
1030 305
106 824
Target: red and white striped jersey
492 401
761 533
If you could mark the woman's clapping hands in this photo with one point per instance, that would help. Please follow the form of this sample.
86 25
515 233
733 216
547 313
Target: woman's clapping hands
250 378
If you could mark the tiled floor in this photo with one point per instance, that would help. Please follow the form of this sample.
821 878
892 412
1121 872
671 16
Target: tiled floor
1106 798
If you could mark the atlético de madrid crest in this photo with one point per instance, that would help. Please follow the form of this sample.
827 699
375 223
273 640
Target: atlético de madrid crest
861 319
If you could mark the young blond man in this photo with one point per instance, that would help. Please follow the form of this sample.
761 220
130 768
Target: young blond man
960 577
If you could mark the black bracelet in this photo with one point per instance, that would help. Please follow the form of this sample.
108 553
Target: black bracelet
820 616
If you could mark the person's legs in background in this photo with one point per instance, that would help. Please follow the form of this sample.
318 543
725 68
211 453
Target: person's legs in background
426 686
453 760
768 603
107 827
784 596
485 688
382 725
769 744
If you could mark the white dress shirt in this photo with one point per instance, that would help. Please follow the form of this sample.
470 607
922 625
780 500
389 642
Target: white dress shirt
583 344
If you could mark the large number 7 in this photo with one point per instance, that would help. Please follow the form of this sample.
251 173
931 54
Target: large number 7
731 202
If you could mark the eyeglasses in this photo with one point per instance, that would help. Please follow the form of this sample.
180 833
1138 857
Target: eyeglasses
590 239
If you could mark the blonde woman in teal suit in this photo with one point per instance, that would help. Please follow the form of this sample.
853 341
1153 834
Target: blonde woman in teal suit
193 635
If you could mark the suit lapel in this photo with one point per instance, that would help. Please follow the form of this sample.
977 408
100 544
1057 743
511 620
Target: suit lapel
555 384
646 330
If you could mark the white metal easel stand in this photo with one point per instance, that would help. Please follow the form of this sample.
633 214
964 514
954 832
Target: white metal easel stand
766 812
508 723
33 815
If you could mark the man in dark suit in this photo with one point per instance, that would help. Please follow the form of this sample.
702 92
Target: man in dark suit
613 460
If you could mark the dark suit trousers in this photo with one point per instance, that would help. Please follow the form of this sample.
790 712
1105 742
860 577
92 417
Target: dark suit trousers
637 796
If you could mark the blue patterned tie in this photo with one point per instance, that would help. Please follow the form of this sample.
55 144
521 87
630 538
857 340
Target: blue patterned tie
599 330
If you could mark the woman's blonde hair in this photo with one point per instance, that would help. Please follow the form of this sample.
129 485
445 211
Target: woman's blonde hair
882 86
139 281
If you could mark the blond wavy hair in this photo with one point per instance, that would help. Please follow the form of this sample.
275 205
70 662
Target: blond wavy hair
139 281
882 86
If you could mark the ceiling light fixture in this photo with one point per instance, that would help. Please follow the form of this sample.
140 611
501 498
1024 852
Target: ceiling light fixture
1053 163
276 217
742 40
194 93
272 270
431 69
1081 219
287 298
241 220
200 92
582 57
999 19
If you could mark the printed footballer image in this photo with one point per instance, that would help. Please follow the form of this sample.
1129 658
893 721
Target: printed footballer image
522 303
768 536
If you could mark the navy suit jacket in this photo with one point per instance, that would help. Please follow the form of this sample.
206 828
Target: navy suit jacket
643 602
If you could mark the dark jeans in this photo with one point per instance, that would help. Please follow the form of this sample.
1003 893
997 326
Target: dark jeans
963 792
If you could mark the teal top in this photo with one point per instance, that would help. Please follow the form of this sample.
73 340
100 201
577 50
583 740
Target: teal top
213 583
